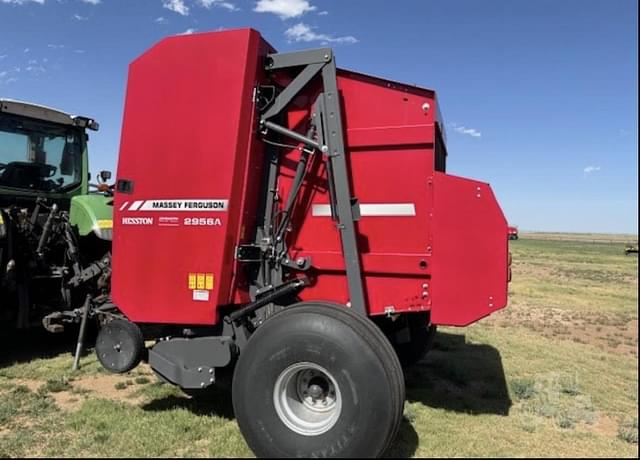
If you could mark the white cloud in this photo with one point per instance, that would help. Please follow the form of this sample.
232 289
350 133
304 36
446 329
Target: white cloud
187 32
22 2
304 33
285 9
92 2
219 4
35 68
54 46
177 6
323 13
468 131
2 56
589 169
77 17
79 51
26 50
161 20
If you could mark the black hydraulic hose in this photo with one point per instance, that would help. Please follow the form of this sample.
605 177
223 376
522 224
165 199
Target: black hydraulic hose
293 194
288 288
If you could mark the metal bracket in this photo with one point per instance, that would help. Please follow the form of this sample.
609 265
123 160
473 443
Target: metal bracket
330 134
248 253
298 58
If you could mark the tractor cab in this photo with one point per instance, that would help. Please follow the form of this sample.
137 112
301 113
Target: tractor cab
42 152
52 228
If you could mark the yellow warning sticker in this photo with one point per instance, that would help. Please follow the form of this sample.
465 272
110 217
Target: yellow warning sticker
209 281
192 280
105 223
201 279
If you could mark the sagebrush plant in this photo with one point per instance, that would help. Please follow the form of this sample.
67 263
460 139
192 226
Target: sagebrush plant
628 431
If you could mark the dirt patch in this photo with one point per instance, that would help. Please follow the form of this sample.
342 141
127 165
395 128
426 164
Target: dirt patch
613 333
605 426
68 401
110 386
32 384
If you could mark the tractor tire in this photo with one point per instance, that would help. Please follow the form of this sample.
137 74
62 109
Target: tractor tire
422 336
318 379
120 346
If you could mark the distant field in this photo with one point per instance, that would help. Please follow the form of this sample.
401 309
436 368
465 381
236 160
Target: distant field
555 374
585 237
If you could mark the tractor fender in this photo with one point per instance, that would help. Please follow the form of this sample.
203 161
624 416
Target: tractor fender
92 213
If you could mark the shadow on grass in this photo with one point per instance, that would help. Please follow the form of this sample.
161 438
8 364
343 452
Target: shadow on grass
25 346
455 376
406 442
460 377
212 402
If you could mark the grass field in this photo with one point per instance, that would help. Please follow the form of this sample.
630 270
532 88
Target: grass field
555 374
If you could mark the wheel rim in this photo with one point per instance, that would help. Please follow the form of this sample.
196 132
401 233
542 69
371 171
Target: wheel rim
307 399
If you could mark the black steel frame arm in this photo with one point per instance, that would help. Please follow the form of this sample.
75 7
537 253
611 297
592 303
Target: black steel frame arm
329 140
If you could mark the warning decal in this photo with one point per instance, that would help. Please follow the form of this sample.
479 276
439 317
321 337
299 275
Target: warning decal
200 284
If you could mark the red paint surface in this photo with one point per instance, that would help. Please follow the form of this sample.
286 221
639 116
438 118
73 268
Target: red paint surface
189 132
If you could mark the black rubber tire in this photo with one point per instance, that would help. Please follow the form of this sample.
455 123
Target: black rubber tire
422 336
347 345
128 338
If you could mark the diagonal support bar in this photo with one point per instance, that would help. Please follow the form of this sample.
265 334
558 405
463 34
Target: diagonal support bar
292 90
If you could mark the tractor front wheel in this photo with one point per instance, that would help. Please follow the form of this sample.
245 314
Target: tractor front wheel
317 379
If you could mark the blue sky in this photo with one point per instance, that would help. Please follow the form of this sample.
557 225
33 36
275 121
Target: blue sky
540 97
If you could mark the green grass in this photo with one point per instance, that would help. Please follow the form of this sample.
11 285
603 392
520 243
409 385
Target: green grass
554 374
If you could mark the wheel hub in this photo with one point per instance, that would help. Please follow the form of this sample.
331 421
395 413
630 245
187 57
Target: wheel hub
307 399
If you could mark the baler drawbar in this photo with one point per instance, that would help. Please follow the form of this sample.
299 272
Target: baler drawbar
290 226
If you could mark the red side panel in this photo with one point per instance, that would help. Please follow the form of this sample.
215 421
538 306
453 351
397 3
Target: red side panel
187 145
470 252
390 143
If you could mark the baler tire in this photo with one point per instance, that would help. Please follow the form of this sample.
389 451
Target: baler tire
131 333
356 361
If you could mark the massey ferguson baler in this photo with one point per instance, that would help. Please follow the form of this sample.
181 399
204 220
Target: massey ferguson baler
294 223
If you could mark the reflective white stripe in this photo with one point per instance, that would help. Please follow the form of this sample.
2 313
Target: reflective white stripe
371 209
124 205
135 205
321 210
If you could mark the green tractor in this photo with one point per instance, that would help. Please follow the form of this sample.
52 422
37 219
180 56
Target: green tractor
55 227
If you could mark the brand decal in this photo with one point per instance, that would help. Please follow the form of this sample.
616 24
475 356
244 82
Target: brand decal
137 221
204 205
168 221
206 221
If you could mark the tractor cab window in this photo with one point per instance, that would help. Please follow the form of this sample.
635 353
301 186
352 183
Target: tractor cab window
39 156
